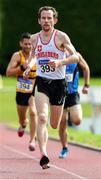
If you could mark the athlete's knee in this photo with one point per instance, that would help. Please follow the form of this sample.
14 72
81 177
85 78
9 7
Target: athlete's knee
32 114
77 121
54 124
42 118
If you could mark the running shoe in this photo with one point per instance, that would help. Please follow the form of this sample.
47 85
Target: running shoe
44 162
21 131
31 146
64 153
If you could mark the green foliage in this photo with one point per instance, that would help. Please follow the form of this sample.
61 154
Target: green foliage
79 19
0 24
86 138
8 107
77 136
8 114
87 109
93 82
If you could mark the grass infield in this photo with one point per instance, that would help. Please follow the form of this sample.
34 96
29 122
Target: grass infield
8 114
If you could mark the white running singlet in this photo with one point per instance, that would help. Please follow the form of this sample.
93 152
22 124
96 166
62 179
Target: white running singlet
45 52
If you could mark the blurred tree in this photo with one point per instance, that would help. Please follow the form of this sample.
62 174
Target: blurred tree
79 19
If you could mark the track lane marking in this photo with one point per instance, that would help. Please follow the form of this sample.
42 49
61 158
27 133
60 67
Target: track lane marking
52 165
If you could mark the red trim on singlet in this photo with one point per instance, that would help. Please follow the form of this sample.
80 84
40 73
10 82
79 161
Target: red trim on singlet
36 43
49 39
55 42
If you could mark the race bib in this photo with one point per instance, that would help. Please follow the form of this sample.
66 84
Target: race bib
25 86
69 77
45 67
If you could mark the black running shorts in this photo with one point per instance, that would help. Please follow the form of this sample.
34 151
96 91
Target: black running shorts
71 100
54 89
22 98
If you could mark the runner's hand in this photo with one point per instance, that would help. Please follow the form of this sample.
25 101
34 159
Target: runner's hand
85 89
26 73
55 64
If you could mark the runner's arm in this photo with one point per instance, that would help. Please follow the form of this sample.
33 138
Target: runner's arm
67 47
86 73
13 67
32 57
72 56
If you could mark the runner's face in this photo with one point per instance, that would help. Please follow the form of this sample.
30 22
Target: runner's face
47 20
26 45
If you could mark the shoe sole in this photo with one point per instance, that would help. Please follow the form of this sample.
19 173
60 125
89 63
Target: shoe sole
61 157
31 148
64 156
20 134
45 166
44 162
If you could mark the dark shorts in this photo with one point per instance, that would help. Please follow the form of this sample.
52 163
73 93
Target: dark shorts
71 100
54 89
23 98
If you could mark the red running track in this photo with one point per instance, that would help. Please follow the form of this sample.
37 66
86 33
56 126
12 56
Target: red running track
17 162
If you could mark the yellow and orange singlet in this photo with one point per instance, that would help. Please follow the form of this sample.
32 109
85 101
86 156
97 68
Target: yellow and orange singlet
23 85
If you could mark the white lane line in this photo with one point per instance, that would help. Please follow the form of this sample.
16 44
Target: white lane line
69 172
19 152
37 159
